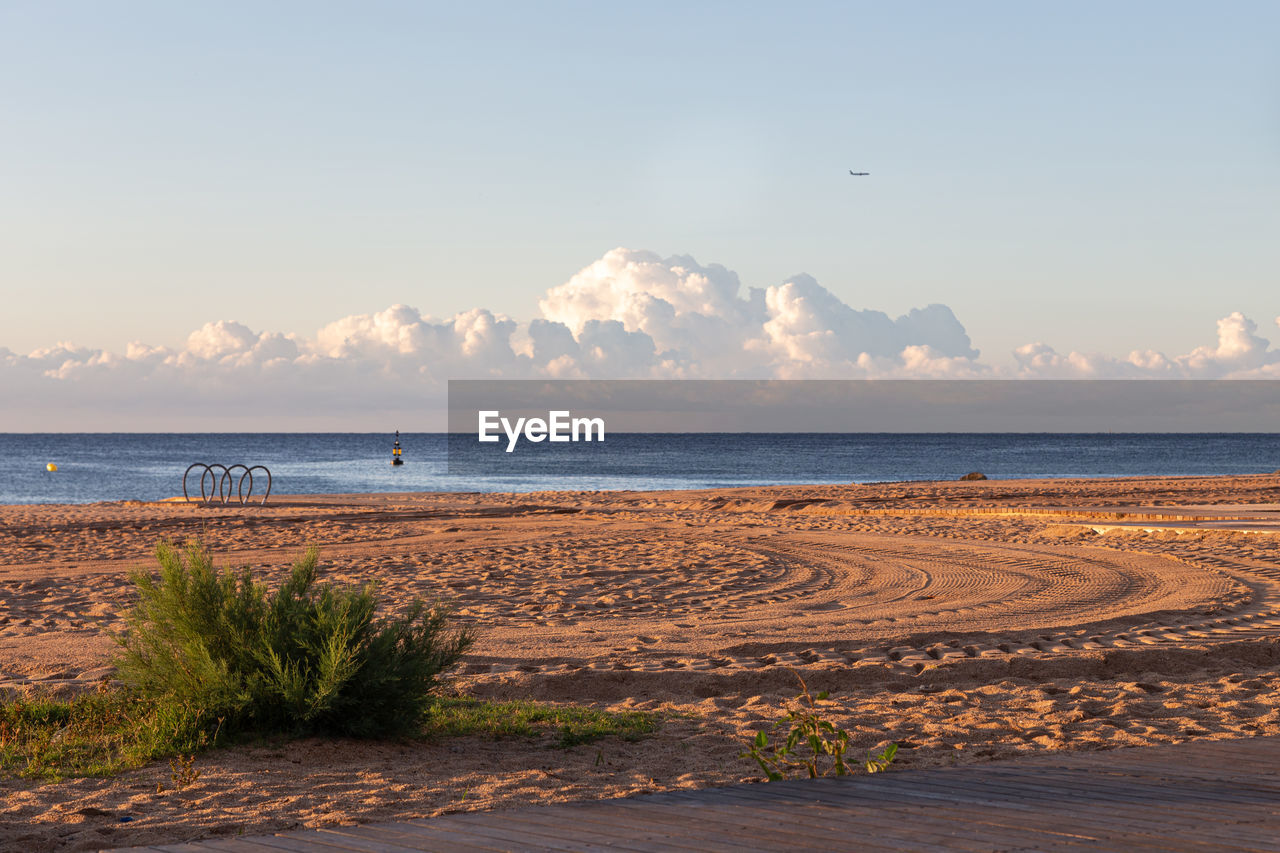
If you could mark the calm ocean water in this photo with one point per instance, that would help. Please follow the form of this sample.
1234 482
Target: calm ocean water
131 466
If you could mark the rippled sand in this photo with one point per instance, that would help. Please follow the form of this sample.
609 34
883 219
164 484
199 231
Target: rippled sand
966 621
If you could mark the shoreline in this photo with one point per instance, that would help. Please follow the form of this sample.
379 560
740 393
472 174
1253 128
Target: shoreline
1102 479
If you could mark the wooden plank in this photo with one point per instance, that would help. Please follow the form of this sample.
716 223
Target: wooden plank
1203 751
642 833
441 838
967 794
360 842
1246 752
1012 789
392 837
488 831
1025 796
826 826
1173 768
1006 823
798 834
816 818
1205 795
1103 800
1133 821
1089 788
964 828
1028 825
569 825
618 835
703 822
1227 764
235 845
874 824
1020 830
306 841
1154 767
414 837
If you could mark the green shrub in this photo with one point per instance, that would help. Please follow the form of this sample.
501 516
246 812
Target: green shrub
307 659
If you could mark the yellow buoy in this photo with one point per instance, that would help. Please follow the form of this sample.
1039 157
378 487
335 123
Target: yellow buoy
51 467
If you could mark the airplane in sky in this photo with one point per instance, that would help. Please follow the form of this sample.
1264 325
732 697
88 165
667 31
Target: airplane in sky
858 174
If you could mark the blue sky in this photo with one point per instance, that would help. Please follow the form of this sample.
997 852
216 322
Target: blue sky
1098 176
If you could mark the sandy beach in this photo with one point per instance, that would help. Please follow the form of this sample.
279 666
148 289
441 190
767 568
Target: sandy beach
964 621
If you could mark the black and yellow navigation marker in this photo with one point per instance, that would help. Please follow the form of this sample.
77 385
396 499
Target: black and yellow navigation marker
395 451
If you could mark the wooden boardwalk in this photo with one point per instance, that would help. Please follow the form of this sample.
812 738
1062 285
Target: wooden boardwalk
1220 795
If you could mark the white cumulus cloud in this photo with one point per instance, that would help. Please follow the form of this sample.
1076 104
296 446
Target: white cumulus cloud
629 314
702 324
1239 354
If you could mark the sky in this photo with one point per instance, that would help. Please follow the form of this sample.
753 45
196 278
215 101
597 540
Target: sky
193 194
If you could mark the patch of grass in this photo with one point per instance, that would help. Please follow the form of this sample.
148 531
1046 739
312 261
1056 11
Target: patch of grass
570 724
95 734
104 733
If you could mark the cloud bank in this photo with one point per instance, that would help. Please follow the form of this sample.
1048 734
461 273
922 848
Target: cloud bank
630 314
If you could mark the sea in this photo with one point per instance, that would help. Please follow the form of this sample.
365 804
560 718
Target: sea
136 466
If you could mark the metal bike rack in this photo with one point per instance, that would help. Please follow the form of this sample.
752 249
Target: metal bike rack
222 483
